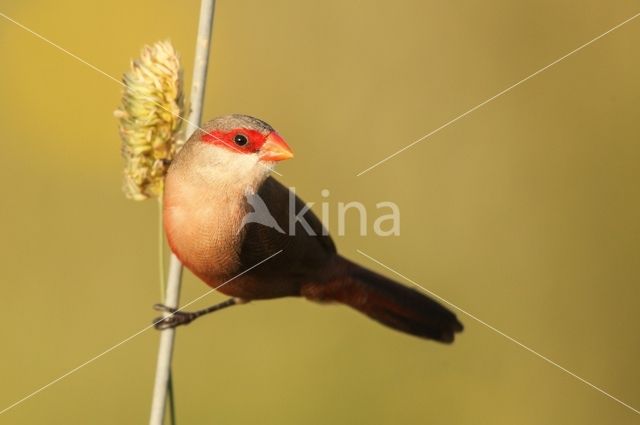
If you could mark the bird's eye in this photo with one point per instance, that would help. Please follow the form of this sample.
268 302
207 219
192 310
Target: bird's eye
240 139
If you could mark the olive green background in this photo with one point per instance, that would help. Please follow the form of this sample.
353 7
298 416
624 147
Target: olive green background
524 213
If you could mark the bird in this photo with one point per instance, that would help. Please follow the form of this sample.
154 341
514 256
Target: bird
208 193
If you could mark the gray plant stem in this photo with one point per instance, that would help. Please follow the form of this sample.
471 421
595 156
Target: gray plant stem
167 336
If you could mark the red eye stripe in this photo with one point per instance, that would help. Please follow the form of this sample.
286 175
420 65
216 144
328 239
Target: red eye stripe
255 139
214 137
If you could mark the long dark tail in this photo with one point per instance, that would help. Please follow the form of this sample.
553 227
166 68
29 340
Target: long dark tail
387 302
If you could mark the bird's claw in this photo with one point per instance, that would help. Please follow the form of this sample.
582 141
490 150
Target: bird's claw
173 319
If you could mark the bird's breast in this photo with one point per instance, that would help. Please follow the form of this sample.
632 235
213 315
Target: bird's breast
202 228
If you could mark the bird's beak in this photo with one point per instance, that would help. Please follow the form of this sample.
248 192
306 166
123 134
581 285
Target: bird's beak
275 148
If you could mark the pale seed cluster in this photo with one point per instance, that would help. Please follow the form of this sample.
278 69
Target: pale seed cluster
152 103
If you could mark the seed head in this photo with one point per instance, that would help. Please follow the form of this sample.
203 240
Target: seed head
152 103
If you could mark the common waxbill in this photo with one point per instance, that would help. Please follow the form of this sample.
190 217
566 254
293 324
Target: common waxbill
205 201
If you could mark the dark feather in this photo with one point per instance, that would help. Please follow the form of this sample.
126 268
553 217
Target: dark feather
387 302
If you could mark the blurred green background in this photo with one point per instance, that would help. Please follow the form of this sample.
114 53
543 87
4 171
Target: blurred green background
524 213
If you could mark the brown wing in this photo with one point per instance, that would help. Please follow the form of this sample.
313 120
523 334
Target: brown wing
304 253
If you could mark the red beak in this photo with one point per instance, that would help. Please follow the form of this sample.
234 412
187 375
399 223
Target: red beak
275 148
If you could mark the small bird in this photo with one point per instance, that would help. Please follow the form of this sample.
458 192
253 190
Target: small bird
205 206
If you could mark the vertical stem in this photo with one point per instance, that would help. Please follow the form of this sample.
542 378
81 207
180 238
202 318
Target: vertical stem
201 63
165 351
160 249
170 396
171 399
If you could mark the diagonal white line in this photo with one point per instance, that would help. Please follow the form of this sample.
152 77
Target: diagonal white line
492 98
95 68
124 341
498 331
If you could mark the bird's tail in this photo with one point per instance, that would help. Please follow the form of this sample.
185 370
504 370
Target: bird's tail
387 302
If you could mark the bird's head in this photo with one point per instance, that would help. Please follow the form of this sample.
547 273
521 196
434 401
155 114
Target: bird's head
245 135
234 146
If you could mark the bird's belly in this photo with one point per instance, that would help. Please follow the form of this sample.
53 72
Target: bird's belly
256 287
205 240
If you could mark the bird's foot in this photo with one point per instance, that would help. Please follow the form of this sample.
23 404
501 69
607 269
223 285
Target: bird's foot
173 319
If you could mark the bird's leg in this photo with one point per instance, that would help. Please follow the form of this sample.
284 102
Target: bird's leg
178 317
